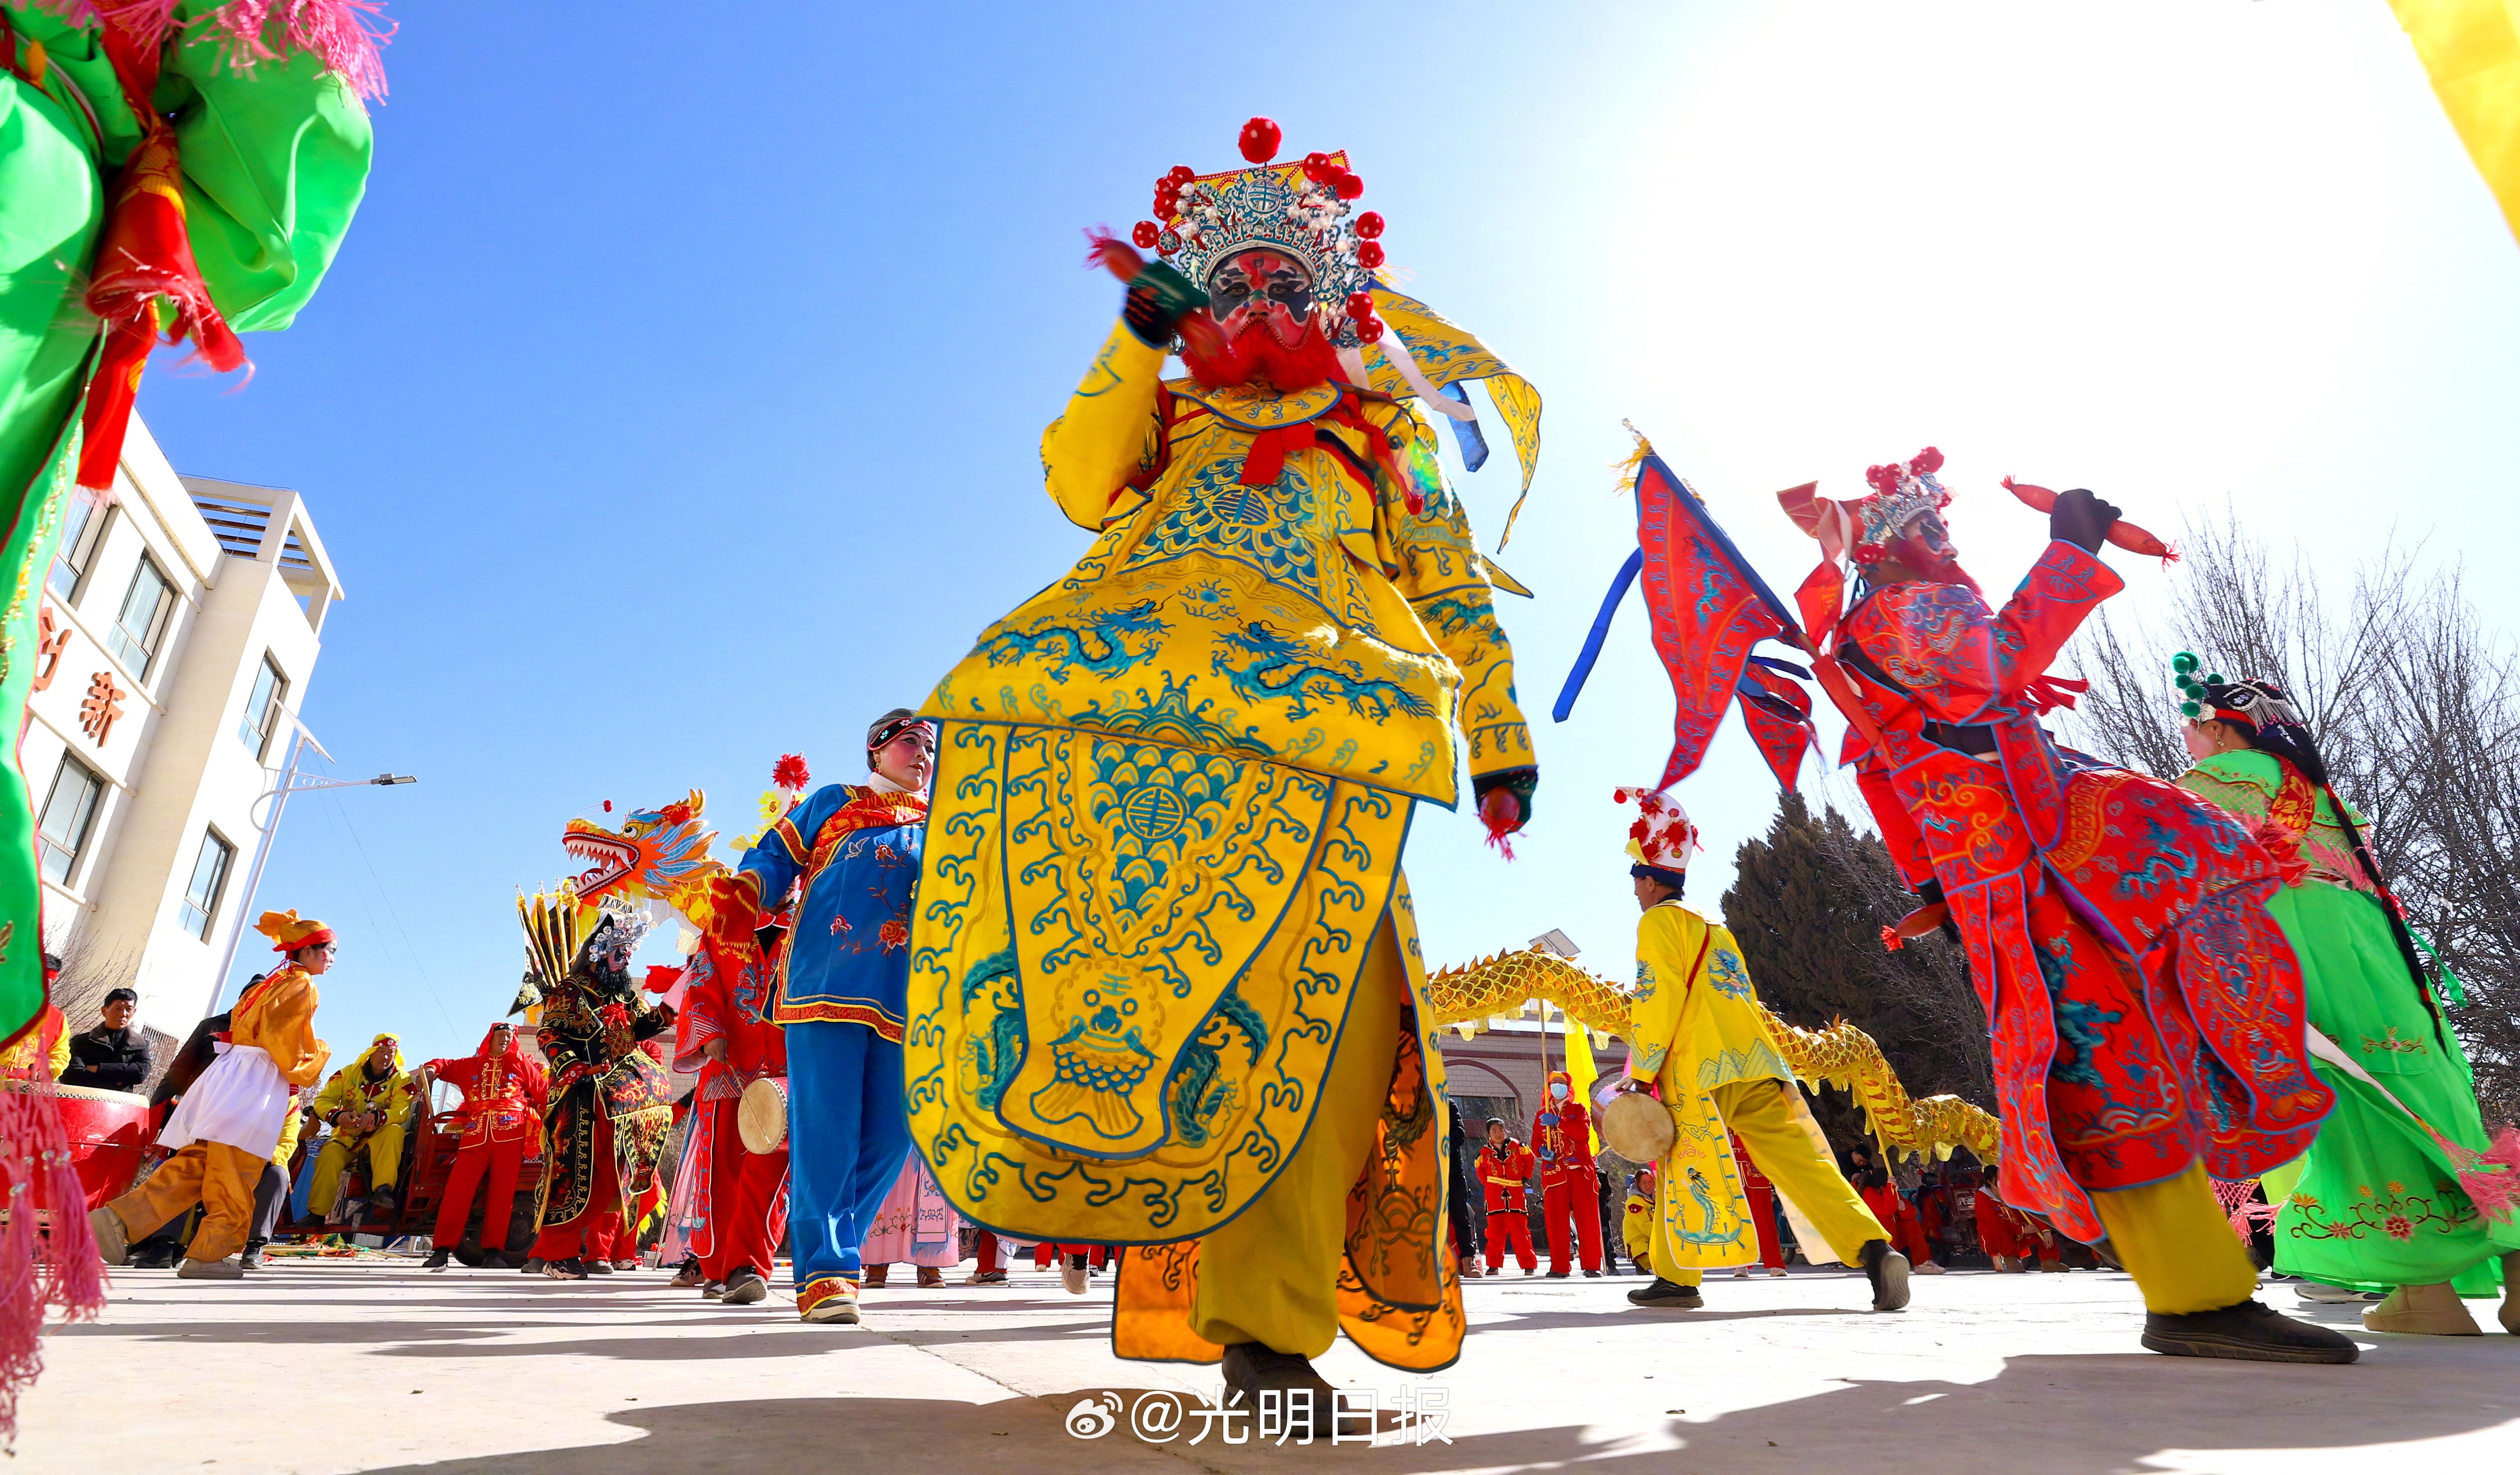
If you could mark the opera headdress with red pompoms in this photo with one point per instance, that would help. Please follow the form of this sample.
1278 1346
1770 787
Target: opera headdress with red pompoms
1395 344
1662 835
1865 526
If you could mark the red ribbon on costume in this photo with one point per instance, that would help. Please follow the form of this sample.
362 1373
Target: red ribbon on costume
144 256
1266 461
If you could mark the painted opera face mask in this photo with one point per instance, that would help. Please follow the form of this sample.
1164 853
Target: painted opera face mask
1925 547
1261 285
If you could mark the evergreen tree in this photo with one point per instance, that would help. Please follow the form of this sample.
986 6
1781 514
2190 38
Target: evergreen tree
1808 902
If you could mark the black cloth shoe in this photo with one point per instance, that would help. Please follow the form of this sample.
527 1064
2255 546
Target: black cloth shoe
251 1259
571 1268
1251 1368
1667 1294
599 1266
2249 1332
1592 1275
1554 1276
436 1259
1887 1269
382 1200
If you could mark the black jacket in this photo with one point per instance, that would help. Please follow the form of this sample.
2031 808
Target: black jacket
107 1060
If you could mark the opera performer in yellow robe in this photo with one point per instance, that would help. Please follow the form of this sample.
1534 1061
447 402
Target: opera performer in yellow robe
1164 982
1702 1041
368 1103
233 1115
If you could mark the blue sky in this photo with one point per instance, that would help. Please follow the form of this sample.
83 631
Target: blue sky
675 401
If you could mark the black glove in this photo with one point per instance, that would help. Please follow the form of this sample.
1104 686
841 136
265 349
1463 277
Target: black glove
1158 298
2082 520
1520 782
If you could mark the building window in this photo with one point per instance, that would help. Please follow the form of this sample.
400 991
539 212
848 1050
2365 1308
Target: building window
262 708
68 814
143 622
78 521
209 878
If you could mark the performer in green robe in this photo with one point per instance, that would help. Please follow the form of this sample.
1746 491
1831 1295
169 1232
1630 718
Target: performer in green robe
2401 1190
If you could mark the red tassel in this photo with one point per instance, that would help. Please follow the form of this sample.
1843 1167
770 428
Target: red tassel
1112 254
1501 820
1891 941
54 1266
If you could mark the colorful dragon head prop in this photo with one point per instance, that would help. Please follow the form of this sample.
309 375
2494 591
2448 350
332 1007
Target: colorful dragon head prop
659 853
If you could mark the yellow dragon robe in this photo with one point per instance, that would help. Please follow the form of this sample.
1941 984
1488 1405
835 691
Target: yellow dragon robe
1169 804
1699 1026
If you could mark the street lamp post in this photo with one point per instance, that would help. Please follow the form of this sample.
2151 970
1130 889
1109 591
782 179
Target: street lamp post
290 782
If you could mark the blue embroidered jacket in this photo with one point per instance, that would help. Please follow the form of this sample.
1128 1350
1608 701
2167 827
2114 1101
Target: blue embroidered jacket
847 958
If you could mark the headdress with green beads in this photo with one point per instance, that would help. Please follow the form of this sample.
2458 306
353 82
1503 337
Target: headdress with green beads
2210 699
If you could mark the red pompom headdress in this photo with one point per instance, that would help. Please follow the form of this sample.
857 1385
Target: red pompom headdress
1300 207
1662 835
1900 491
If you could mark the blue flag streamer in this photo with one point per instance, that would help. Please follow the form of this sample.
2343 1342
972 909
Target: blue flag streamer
1599 632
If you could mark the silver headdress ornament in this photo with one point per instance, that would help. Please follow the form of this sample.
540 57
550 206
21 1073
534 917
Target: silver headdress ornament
1301 208
624 924
1900 491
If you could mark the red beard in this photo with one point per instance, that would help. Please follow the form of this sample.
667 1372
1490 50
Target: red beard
1249 349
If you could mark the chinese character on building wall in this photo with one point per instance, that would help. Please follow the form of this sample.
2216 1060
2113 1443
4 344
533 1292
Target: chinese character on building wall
101 708
51 638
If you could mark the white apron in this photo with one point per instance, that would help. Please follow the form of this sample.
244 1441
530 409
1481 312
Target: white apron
241 1101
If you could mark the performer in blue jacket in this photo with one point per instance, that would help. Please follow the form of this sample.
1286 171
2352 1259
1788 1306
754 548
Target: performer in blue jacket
851 853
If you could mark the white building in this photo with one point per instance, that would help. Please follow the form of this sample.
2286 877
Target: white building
179 628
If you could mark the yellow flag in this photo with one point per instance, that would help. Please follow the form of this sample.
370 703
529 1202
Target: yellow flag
1580 1073
2471 51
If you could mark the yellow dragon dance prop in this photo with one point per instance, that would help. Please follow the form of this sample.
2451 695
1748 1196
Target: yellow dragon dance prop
1465 998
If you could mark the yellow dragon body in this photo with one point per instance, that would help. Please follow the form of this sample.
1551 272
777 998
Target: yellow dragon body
1467 996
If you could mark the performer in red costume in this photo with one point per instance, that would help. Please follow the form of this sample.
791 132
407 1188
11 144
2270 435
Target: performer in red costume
1762 1193
723 1037
1570 1188
1505 1166
503 1107
2146 1011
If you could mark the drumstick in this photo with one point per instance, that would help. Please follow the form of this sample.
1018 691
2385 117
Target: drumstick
2122 533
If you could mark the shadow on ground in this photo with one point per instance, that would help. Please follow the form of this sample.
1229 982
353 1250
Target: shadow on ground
2141 1406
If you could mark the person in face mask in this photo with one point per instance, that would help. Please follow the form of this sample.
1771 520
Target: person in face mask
1570 1192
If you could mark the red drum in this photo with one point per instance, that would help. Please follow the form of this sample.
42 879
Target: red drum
109 1134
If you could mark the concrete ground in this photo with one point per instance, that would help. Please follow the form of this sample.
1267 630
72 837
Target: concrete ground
367 1365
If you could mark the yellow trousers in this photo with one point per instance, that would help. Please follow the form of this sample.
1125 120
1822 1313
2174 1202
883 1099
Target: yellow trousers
1271 1273
2177 1242
383 1150
219 1178
1762 1115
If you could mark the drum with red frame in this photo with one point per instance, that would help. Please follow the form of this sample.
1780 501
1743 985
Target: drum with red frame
110 1132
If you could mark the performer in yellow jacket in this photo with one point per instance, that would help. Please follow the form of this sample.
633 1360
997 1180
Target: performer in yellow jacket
234 1114
1701 1040
1164 978
368 1103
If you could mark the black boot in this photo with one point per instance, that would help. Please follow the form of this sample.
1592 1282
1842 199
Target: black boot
436 1259
2249 1332
1669 1295
1887 1269
1251 1368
